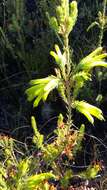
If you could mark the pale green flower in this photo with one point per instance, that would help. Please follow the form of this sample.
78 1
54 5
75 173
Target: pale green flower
94 59
40 88
88 110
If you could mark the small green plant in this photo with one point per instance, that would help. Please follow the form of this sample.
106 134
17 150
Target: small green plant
19 173
69 80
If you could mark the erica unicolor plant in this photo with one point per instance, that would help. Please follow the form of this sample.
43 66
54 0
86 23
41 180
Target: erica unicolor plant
69 78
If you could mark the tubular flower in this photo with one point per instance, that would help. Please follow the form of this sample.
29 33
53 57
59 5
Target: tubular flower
94 59
40 88
88 110
59 58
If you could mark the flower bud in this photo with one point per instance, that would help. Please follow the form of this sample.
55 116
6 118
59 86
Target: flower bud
73 13
54 24
60 14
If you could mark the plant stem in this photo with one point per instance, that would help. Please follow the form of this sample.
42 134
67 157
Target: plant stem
68 85
101 38
102 23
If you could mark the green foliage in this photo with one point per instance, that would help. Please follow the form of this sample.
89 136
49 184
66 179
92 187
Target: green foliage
65 181
62 144
80 137
19 174
23 38
91 172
